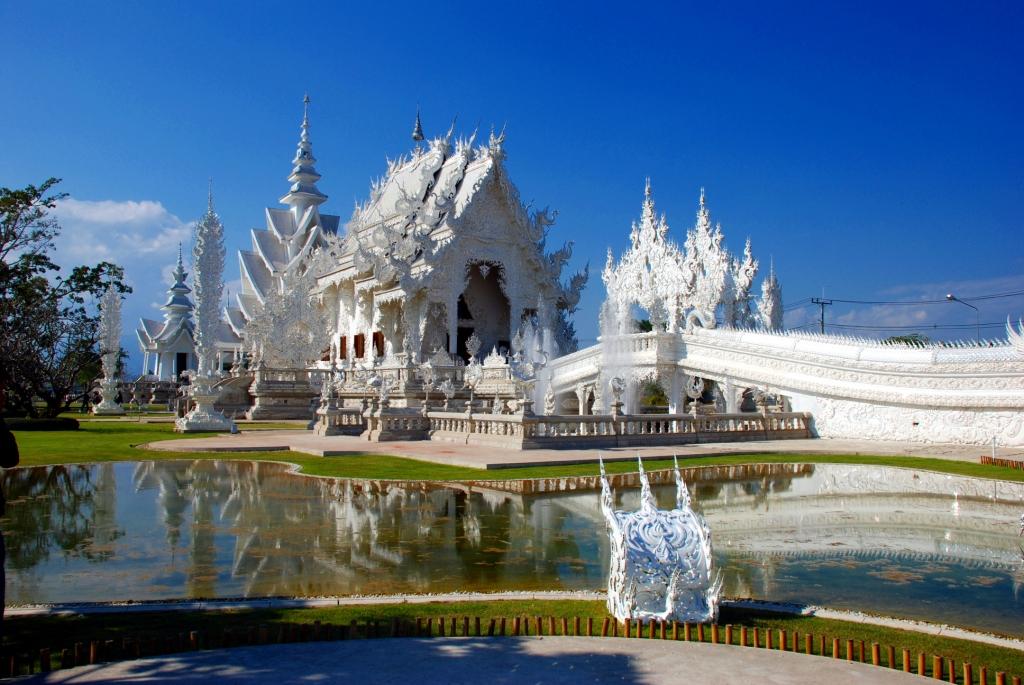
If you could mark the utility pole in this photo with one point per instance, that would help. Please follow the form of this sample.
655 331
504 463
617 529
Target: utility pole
821 302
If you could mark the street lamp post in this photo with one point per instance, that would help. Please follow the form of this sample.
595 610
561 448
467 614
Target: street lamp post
977 315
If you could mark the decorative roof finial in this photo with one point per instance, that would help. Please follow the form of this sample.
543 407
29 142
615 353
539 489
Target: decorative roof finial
417 129
209 196
303 192
702 197
647 189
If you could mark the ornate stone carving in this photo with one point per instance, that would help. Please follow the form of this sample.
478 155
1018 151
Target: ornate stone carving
208 287
661 561
110 348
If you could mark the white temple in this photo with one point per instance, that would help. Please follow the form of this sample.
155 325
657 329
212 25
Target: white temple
168 347
441 283
443 248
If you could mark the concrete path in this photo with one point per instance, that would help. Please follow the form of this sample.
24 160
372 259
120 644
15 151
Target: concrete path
489 661
492 458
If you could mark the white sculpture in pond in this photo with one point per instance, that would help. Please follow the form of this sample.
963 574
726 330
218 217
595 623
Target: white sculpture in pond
661 561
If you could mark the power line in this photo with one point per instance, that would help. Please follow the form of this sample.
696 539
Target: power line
823 303
993 296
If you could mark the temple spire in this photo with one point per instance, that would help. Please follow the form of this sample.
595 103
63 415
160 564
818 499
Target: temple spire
417 129
209 201
303 193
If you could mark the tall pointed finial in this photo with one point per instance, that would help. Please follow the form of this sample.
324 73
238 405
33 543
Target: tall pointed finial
647 189
417 129
702 197
179 254
209 196
303 192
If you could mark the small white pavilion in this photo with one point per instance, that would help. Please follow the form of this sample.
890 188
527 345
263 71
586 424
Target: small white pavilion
168 348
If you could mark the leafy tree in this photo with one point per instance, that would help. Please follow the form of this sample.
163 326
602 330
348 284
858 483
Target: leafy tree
48 325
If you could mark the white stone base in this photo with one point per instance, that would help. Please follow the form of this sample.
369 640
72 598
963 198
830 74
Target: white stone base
108 405
204 417
198 422
108 409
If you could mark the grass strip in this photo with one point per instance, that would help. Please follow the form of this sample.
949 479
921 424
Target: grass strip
104 441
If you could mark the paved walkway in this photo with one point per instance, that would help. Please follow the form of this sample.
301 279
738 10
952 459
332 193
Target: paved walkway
494 458
492 660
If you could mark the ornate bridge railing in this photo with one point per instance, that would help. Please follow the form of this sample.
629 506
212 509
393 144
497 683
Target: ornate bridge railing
519 432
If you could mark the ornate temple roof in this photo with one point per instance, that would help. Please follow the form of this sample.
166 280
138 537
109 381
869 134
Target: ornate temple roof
290 233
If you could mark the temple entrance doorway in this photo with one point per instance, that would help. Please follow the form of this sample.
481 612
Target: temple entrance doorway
483 308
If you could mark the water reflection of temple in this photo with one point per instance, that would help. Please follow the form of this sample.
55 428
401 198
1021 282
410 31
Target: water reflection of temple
204 528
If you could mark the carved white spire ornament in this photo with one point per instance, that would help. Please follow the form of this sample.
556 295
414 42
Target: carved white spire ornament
110 348
208 281
661 562
770 306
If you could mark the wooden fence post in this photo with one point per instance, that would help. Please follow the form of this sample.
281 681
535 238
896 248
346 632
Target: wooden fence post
590 626
1000 678
782 640
515 625
809 643
728 633
675 630
767 638
891 653
835 648
743 636
968 673
490 628
849 650
576 626
502 623
661 625
983 674
604 627
920 664
714 633
937 667
876 654
757 636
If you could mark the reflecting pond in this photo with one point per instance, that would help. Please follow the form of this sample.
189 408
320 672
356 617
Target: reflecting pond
891 541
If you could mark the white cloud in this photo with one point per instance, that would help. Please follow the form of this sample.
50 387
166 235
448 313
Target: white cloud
112 211
140 236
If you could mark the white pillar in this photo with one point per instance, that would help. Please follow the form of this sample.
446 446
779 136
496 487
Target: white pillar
675 393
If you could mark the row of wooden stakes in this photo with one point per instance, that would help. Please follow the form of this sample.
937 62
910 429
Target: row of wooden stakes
95 652
1008 463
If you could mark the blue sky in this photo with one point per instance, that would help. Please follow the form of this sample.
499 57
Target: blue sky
874 150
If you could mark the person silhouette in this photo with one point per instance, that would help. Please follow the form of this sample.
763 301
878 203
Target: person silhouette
9 457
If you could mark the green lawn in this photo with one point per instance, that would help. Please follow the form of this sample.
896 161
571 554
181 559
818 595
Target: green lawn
99 441
28 634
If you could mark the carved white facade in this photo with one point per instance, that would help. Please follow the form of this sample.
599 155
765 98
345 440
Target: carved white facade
443 249
661 562
676 287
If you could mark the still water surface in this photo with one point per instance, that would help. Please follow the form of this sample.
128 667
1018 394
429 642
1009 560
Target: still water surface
889 541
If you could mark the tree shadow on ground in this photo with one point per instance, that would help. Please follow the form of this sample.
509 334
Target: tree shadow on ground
490 661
